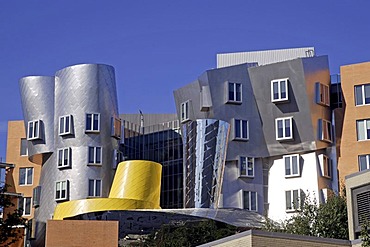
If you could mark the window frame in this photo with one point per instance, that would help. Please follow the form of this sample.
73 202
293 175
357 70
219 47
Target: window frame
284 129
250 194
95 155
235 95
325 130
322 92
36 132
246 160
20 149
22 205
280 99
184 111
116 127
26 178
241 127
327 171
367 157
65 151
365 132
62 131
117 158
92 119
94 189
363 94
291 168
60 198
292 207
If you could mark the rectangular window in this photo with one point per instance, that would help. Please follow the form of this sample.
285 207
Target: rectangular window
250 200
292 200
292 165
92 122
61 190
24 205
362 94
234 93
116 127
241 131
363 162
24 148
36 196
95 188
363 129
284 128
117 158
327 171
95 155
34 130
65 125
64 157
184 111
322 94
26 176
246 166
325 130
279 90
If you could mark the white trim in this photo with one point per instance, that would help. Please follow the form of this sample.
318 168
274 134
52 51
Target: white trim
67 190
241 123
64 131
285 137
290 157
249 200
247 168
362 94
69 157
94 188
280 98
92 130
234 101
95 161
36 132
184 111
26 176
325 93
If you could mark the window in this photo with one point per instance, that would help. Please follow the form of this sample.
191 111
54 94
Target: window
327 171
117 158
61 190
241 129
36 196
325 133
34 130
362 94
64 157
94 156
234 93
250 200
26 176
292 200
364 161
284 129
279 90
322 94
94 187
65 125
292 165
24 205
246 167
24 148
184 111
92 122
116 127
363 129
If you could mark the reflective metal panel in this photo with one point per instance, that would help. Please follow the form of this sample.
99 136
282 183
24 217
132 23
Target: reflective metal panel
205 144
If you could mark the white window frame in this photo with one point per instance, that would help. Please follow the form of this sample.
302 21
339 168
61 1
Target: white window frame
95 152
325 130
94 189
61 183
322 94
32 132
367 161
292 207
92 129
366 125
290 158
234 99
279 82
63 130
22 203
26 178
242 123
327 167
64 154
248 162
184 111
363 94
249 194
116 127
285 137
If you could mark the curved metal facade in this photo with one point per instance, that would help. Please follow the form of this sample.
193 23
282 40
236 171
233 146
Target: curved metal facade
205 145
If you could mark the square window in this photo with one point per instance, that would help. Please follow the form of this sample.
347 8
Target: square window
116 127
362 94
293 200
64 157
24 204
322 94
184 112
24 147
95 155
327 167
241 130
92 122
292 165
279 90
65 125
284 128
234 93
95 187
325 130
26 176
246 166
363 162
250 200
363 129
61 190
34 130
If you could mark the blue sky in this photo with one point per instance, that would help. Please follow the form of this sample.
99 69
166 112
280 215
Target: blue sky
159 46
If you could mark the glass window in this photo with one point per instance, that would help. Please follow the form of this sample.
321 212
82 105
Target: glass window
26 176
92 122
363 162
292 200
363 129
241 129
95 187
250 200
234 92
327 167
61 190
24 148
184 111
116 127
94 155
24 205
246 166
34 130
322 94
284 129
325 130
292 168
362 94
65 125
64 157
279 90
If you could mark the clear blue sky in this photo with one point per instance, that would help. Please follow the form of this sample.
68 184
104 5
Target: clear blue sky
158 46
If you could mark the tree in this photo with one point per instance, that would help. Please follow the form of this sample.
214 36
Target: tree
13 222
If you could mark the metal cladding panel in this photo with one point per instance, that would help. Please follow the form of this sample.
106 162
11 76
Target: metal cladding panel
263 57
37 95
205 145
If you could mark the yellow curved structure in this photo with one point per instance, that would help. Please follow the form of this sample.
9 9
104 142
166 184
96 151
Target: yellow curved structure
136 185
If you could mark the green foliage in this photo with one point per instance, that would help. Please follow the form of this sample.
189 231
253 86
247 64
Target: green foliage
189 234
364 234
9 227
327 220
